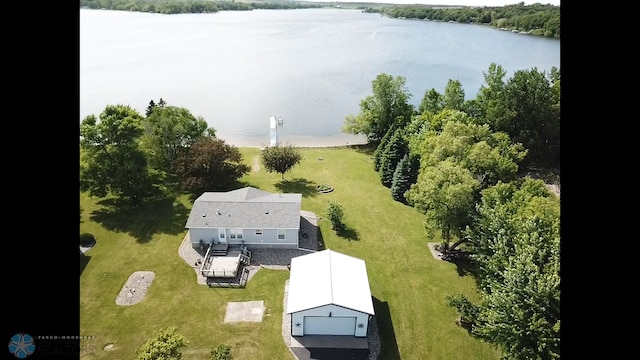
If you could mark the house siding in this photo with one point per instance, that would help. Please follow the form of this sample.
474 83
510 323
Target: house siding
268 239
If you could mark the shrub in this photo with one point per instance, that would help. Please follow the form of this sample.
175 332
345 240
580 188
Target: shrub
87 239
335 213
222 352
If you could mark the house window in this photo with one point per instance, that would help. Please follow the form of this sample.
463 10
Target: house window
259 232
235 234
280 234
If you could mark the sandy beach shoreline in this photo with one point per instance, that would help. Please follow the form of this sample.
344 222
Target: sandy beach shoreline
298 141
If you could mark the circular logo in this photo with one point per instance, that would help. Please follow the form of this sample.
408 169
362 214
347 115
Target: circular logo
22 345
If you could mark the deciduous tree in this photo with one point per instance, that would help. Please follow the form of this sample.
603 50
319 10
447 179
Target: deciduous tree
432 102
445 193
113 161
210 164
170 130
165 345
535 122
527 108
453 95
280 158
515 242
386 107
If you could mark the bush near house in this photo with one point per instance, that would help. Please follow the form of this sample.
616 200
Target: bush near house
87 240
222 352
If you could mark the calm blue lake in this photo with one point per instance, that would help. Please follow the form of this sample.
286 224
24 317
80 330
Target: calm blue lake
310 66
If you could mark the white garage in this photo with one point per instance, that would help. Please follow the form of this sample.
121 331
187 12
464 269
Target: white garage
329 295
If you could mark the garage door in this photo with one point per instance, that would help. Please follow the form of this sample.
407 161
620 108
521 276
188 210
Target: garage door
336 325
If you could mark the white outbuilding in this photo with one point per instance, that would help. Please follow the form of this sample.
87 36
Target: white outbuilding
329 294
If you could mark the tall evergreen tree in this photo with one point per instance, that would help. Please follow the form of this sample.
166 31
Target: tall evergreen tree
377 154
393 152
401 179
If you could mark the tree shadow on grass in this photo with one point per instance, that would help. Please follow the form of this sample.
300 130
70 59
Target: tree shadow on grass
368 148
465 266
348 233
389 344
157 216
299 186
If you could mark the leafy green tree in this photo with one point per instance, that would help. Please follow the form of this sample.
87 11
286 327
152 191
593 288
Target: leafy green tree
393 152
280 158
335 214
432 101
468 311
536 121
221 352
388 106
515 242
453 95
472 108
489 156
527 108
445 193
448 159
113 161
210 164
164 346
170 130
490 97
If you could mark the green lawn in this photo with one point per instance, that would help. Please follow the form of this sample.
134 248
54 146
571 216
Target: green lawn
408 285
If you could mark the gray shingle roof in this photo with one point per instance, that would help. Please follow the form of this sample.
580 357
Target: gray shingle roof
247 208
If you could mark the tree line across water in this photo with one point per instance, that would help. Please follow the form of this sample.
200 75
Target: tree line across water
536 19
462 163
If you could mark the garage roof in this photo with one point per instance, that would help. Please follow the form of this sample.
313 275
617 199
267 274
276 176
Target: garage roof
328 277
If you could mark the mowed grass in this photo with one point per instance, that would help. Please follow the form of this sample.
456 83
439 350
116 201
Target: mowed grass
408 285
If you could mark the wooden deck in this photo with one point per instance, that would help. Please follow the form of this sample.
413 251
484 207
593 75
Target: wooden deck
223 266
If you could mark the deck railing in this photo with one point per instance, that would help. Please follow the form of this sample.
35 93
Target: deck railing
207 269
206 263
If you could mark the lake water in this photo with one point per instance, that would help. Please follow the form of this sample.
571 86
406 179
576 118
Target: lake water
310 66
